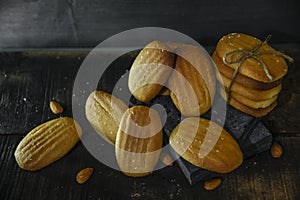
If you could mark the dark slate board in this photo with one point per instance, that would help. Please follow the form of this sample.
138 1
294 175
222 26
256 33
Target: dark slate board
250 133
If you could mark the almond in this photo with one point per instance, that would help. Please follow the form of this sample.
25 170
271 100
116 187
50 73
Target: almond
55 107
84 175
47 143
166 159
276 150
212 184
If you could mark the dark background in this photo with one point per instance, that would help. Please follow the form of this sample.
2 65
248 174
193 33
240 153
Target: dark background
85 23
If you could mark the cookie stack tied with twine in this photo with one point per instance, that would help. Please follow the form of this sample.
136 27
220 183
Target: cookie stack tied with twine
251 72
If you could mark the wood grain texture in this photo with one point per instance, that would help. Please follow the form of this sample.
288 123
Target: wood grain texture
285 118
261 177
28 84
85 23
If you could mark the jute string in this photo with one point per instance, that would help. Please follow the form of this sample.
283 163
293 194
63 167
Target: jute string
253 53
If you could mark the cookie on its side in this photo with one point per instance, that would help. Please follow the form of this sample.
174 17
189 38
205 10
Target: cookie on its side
255 95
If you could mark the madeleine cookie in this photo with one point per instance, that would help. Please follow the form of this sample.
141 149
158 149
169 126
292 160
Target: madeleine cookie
47 143
104 112
139 140
206 145
192 84
150 71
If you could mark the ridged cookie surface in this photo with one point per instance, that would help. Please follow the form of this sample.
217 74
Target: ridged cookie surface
47 143
192 84
206 145
150 71
139 141
104 112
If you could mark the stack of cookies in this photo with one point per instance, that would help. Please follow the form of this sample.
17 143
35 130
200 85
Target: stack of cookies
253 90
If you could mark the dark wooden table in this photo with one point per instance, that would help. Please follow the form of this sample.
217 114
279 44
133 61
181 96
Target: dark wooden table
29 79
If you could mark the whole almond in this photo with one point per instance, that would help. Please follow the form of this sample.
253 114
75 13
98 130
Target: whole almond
166 159
47 143
207 145
55 107
276 150
139 140
104 112
212 184
84 175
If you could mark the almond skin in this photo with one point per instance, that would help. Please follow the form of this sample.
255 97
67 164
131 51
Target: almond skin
166 159
47 143
212 184
84 175
276 150
56 108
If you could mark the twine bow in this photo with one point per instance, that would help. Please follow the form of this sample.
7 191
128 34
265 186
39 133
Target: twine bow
253 53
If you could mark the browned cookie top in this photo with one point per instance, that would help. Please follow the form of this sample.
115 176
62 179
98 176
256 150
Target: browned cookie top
251 67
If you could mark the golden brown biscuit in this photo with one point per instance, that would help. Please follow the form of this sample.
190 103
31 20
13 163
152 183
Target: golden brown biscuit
251 111
150 71
251 67
255 95
206 145
47 143
139 140
248 102
241 79
192 88
104 112
164 92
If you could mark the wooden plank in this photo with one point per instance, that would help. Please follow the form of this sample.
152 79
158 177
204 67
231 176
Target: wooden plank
28 84
285 118
261 177
85 23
